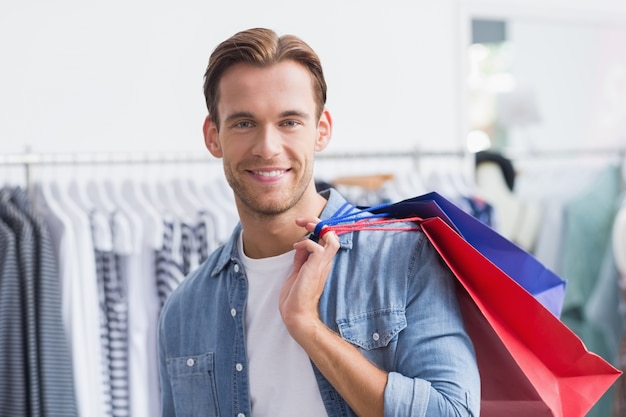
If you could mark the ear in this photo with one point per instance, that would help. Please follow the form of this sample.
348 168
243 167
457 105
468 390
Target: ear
324 131
211 137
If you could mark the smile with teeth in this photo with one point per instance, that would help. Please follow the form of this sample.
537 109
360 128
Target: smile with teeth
274 173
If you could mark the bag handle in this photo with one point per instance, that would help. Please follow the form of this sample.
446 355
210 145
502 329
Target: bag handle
371 223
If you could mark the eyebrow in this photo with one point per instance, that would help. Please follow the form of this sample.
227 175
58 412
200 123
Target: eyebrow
248 115
239 115
297 113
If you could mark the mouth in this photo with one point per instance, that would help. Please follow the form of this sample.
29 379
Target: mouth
269 173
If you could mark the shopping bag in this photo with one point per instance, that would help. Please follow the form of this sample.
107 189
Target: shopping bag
530 363
524 268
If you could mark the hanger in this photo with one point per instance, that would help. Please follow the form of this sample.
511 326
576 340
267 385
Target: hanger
152 220
369 182
100 226
125 222
187 195
99 188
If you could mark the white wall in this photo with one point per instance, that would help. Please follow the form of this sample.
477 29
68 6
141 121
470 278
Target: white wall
572 55
127 75
578 73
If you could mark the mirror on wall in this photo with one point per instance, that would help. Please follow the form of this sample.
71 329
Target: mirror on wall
543 84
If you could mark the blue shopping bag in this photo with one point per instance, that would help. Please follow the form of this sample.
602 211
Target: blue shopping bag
547 287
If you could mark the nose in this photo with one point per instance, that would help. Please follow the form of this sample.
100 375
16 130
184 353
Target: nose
268 143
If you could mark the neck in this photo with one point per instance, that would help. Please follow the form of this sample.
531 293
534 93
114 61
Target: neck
271 235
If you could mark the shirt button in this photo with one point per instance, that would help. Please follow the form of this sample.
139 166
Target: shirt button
233 312
236 268
191 362
239 367
376 336
241 415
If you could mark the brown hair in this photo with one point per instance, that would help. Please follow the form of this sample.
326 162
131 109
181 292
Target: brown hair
260 47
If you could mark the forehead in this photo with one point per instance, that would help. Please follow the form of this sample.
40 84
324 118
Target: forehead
244 87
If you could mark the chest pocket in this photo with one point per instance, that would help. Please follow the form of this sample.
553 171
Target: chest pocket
374 329
193 385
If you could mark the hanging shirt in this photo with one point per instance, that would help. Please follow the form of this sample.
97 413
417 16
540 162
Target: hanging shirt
13 386
169 264
49 377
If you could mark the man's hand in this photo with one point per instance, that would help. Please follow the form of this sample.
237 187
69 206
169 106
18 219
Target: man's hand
300 294
356 379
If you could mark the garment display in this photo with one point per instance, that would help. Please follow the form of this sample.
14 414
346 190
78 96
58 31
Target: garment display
86 296
121 248
91 285
33 339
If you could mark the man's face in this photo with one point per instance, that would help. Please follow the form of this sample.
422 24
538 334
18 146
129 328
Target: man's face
268 135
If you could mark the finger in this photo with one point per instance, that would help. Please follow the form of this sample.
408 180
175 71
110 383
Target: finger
320 254
307 222
331 239
300 258
327 238
307 245
331 244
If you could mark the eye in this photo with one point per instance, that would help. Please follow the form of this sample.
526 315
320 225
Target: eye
290 123
244 124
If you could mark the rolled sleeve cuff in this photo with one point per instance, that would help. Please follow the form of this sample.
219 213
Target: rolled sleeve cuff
404 394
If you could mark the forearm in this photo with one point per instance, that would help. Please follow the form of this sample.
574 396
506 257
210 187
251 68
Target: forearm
358 381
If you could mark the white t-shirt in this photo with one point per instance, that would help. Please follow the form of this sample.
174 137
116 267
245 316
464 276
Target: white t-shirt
282 382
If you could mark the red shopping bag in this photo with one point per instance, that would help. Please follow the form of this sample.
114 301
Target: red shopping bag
530 363
525 269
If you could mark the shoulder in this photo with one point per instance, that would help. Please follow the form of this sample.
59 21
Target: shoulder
400 237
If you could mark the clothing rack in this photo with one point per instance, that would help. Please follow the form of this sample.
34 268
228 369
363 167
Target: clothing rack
31 159
36 158
138 157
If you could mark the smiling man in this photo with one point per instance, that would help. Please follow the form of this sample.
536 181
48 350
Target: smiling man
275 324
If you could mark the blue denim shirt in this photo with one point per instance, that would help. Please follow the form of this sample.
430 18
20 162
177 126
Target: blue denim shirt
389 294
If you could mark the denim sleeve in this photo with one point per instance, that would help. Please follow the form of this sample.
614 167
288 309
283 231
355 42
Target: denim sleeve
436 373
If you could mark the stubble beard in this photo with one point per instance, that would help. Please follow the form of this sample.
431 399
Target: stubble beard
265 207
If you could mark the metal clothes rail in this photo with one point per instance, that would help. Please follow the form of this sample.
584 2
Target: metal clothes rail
31 159
36 158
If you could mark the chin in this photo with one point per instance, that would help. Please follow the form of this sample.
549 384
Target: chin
270 206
